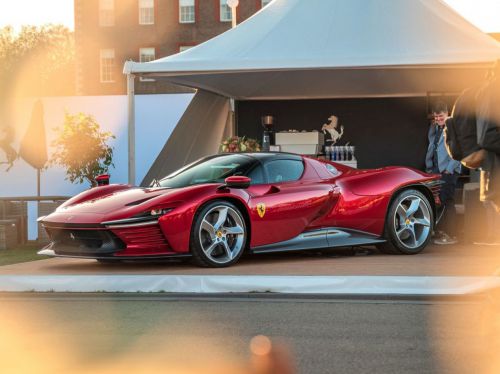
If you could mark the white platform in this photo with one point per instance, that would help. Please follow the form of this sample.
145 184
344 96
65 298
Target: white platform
353 285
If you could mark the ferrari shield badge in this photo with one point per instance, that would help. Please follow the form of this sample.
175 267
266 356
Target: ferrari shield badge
261 209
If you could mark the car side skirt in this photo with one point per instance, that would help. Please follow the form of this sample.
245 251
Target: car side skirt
323 238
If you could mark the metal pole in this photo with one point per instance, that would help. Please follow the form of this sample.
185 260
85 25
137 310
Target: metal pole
38 214
233 17
38 182
131 128
231 100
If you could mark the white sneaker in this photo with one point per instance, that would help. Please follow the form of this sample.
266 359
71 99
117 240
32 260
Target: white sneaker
445 239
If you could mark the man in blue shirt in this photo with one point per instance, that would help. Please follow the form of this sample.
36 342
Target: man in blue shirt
438 161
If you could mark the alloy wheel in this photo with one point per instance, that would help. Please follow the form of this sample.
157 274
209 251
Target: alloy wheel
222 234
412 221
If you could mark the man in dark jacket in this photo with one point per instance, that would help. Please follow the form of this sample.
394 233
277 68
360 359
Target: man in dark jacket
488 138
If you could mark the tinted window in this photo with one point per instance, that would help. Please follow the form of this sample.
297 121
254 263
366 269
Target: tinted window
256 175
284 170
212 170
332 169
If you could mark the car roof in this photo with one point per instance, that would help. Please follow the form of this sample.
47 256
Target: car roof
266 156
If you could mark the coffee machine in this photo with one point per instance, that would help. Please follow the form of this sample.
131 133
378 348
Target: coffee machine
268 134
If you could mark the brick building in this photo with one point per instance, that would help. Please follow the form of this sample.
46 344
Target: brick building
109 32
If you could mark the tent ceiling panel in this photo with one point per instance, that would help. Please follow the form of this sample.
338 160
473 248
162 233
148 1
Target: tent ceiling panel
315 84
290 44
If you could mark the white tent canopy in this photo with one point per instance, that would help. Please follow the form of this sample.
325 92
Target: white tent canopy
333 48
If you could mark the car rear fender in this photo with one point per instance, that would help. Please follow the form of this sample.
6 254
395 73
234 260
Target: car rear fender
384 181
425 188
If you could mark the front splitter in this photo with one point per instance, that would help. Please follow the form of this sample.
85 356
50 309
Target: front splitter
52 253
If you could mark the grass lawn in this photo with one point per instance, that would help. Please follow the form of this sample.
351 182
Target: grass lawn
22 253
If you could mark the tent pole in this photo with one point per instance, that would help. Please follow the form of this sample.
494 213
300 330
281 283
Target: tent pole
131 128
232 108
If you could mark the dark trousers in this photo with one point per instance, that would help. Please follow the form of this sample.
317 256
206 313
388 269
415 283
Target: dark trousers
448 222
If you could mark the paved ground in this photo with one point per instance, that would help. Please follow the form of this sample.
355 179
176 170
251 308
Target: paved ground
459 260
123 333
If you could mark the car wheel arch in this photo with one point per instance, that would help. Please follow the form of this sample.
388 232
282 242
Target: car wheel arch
419 187
243 208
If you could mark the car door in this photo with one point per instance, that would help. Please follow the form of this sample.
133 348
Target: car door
285 204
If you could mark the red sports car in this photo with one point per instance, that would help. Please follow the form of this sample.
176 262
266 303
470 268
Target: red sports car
220 206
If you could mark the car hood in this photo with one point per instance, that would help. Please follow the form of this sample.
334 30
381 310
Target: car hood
120 201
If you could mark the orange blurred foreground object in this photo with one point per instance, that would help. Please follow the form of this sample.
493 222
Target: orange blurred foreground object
270 359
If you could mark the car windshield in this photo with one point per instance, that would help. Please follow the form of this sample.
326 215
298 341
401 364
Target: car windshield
211 170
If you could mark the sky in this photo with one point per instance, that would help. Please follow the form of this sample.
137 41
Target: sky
485 14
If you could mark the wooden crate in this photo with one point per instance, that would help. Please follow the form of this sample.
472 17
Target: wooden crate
8 234
18 211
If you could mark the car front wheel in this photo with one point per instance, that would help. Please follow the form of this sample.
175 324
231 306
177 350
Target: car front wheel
219 235
409 224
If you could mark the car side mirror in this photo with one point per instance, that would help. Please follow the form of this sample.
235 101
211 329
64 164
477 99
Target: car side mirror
102 180
237 181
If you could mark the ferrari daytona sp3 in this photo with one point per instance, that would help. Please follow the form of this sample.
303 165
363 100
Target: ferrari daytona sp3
216 208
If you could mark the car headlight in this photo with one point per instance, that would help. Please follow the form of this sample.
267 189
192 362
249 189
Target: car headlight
159 212
153 213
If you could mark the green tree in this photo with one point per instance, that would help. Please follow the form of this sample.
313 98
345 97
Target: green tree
81 147
35 57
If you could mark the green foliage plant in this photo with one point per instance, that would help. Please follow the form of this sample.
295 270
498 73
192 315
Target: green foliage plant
81 147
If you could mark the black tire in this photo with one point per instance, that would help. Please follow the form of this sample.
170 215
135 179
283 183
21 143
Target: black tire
227 247
395 229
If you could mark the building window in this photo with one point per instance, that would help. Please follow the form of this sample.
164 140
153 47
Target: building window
186 11
107 65
146 12
265 2
106 12
146 55
183 48
225 11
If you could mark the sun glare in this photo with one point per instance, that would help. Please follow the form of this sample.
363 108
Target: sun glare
36 12
482 13
485 14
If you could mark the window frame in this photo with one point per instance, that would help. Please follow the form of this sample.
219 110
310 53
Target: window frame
142 79
194 11
106 15
221 4
185 46
102 66
141 8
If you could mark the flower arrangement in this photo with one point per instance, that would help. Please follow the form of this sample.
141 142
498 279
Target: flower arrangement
239 144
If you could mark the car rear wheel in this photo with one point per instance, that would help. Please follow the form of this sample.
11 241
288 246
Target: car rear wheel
219 235
408 225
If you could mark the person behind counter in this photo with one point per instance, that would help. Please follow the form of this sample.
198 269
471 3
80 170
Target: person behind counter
438 161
